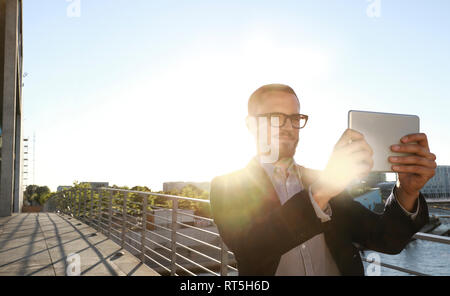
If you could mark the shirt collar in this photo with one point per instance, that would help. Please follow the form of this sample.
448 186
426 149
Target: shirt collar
272 169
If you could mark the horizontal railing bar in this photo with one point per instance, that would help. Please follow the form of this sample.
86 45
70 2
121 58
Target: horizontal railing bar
134 217
129 230
139 211
165 228
130 245
120 226
94 222
160 255
154 233
158 194
197 252
395 267
164 218
132 225
157 207
197 240
115 236
232 268
199 229
432 238
197 264
156 262
133 240
116 210
195 216
159 245
134 202
185 269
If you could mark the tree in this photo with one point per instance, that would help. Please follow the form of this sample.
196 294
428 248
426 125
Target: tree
35 194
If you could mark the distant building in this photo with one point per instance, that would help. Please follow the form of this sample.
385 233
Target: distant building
62 188
96 185
168 186
439 185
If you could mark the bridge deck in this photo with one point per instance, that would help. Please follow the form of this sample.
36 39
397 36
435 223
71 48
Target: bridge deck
39 244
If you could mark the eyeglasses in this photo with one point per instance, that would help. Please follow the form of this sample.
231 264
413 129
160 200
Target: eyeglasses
298 121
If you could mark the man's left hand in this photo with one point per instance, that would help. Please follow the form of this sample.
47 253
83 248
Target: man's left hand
414 170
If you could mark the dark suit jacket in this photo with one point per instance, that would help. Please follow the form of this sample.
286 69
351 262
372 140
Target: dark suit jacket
258 229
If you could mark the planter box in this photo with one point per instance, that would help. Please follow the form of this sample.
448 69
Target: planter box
31 209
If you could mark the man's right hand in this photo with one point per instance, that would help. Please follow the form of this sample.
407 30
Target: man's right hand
351 159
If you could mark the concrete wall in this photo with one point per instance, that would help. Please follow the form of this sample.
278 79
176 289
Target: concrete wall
11 106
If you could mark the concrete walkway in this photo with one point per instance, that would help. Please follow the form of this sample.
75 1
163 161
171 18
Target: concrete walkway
40 244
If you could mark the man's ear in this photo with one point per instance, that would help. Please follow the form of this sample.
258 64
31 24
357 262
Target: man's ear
251 123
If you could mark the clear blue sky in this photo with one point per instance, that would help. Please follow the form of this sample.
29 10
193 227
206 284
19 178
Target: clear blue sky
142 92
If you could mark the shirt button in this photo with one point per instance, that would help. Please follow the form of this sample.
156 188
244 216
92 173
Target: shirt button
303 247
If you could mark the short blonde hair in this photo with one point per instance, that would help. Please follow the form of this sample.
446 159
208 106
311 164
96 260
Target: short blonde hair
256 97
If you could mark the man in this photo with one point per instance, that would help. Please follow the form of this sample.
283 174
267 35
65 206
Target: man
279 218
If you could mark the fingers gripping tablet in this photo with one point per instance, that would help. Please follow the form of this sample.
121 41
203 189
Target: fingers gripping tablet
381 131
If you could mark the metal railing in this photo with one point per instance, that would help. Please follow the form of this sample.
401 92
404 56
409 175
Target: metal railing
157 234
127 217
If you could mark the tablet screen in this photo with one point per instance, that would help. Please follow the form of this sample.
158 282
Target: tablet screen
381 130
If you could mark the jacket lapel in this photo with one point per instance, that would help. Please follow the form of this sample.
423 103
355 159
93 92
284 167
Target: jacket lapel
260 182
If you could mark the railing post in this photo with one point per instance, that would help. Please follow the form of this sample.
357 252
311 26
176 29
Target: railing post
58 202
99 211
59 199
144 227
110 213
72 199
64 203
79 203
224 259
124 218
174 236
91 210
85 204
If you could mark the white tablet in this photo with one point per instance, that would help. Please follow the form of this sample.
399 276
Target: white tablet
381 130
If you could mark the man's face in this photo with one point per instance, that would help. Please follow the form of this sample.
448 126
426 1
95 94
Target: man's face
283 102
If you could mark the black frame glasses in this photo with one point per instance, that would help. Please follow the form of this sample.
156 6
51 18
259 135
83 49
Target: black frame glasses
298 121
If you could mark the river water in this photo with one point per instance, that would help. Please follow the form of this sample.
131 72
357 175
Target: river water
422 256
